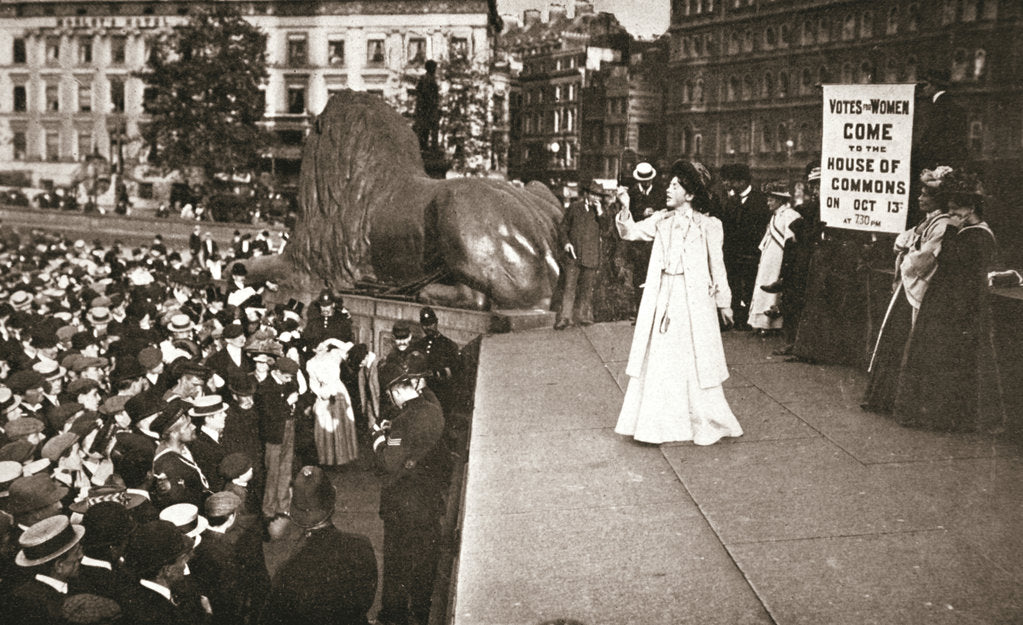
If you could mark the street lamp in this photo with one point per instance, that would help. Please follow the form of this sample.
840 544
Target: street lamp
789 144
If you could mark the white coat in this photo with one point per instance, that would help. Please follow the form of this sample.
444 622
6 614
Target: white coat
706 289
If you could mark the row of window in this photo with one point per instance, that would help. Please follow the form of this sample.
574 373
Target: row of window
826 29
415 53
82 145
556 93
544 65
82 47
558 120
965 66
52 99
951 10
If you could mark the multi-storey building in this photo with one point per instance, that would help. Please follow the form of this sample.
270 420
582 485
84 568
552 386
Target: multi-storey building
745 74
556 58
67 84
622 113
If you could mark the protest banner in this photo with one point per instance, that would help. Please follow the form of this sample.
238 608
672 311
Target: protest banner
866 144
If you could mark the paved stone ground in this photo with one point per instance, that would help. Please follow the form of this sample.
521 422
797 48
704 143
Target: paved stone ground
820 513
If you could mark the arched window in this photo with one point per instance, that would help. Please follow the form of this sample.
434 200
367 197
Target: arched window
960 65
806 84
729 141
913 17
807 36
733 88
849 27
747 88
783 137
747 41
766 139
733 43
783 85
847 73
867 25
784 36
697 144
891 71
969 10
687 93
948 12
976 136
770 38
768 91
866 73
802 137
687 139
912 68
892 25
698 93
979 64
823 30
698 45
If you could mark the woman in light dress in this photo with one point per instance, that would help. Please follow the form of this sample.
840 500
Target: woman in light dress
333 417
764 315
677 362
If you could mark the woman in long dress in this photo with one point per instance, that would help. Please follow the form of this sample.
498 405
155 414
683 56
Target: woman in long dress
333 417
916 252
951 380
764 315
677 362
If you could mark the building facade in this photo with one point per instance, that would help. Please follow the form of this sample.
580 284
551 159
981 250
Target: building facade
68 90
744 75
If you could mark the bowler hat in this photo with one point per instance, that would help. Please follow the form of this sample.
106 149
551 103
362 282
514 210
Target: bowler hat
233 331
48 540
234 465
401 330
312 497
154 545
150 358
106 523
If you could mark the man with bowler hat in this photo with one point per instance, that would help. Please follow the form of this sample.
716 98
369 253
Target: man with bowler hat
579 237
410 495
107 527
157 557
330 578
50 552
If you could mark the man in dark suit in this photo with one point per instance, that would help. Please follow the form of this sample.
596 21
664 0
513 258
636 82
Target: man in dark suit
158 556
331 321
579 237
208 448
939 133
646 196
331 577
51 552
745 221
107 527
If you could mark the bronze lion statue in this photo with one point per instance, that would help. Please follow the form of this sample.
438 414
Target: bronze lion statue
370 214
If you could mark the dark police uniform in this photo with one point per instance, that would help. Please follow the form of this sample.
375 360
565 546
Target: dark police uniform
410 505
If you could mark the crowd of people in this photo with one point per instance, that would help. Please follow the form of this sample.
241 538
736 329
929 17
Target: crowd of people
763 260
160 426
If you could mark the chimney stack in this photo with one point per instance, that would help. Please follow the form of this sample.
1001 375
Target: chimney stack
530 17
583 8
556 11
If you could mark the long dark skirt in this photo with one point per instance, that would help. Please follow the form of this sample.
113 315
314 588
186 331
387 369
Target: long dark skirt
889 355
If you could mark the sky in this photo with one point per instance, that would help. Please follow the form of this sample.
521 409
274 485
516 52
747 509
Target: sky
641 17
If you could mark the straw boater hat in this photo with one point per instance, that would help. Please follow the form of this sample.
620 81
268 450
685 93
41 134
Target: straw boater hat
644 172
778 190
48 540
186 517
206 406
180 323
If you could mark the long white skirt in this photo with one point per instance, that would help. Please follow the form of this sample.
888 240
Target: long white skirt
666 403
767 272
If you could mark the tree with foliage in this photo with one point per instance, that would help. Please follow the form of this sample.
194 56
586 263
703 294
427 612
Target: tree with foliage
203 95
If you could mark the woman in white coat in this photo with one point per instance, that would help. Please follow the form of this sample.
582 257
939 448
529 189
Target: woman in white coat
677 363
